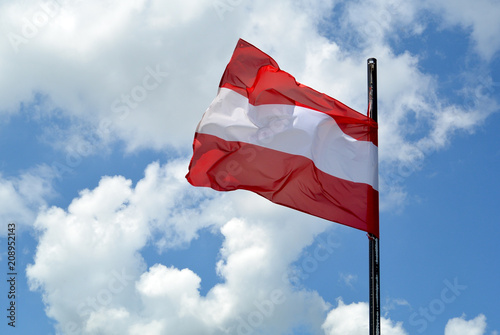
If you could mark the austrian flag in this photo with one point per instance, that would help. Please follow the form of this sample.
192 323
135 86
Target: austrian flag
268 134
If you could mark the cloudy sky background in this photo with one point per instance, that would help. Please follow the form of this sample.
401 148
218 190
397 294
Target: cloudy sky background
99 103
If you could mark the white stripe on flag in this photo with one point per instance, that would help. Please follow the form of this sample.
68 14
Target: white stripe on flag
294 130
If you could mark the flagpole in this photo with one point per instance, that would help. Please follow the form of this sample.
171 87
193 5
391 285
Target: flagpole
374 249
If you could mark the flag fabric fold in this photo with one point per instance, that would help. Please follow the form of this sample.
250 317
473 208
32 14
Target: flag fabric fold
297 147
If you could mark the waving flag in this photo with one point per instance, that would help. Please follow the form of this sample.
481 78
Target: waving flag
268 134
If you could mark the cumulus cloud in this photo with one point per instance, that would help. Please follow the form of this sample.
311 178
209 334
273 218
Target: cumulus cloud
353 319
96 245
24 195
460 326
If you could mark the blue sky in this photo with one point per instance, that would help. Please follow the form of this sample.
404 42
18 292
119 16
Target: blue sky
100 101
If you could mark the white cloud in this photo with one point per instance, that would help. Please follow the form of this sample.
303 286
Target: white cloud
172 14
113 65
96 244
460 326
480 16
376 22
23 196
352 319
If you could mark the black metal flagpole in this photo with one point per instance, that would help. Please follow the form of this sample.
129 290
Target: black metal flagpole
374 253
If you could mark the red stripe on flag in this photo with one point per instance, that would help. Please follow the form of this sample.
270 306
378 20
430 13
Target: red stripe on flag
289 180
255 75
